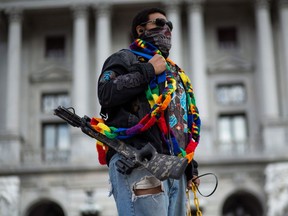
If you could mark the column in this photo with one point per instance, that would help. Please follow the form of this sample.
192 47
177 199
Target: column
10 143
14 72
82 147
103 40
273 130
197 50
80 60
198 74
266 62
174 15
283 12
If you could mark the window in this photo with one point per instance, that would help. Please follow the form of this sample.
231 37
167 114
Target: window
232 94
227 37
56 142
55 135
50 101
55 46
45 207
243 204
232 132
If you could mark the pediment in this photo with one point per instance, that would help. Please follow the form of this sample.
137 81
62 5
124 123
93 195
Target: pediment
51 73
230 63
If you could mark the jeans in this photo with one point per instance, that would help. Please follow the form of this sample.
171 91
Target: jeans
171 201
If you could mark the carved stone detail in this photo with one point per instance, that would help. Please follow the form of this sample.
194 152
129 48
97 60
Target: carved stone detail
9 196
51 73
230 63
277 189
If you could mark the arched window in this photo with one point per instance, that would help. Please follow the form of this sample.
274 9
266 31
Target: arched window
242 204
45 208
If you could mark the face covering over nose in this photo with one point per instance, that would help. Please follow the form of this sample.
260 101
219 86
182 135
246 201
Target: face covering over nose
159 37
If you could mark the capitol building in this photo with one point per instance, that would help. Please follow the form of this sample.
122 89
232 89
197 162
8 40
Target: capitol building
51 53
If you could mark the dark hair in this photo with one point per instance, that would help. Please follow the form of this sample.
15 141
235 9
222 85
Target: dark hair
142 17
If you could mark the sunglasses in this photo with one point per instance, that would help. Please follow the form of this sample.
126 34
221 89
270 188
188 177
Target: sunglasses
160 23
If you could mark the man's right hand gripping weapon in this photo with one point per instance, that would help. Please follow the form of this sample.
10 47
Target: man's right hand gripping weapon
160 165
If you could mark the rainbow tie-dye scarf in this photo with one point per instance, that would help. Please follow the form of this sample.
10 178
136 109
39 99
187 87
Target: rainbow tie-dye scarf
158 103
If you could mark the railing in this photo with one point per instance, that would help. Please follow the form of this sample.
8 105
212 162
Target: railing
53 156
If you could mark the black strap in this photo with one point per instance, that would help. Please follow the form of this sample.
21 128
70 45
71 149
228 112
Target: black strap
216 183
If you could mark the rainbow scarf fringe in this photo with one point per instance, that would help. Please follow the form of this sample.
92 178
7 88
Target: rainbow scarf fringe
158 103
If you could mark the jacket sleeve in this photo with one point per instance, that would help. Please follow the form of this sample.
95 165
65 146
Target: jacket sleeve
191 170
122 78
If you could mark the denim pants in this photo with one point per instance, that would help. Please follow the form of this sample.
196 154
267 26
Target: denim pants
170 202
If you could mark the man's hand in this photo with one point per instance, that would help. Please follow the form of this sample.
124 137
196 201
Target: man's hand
159 63
195 180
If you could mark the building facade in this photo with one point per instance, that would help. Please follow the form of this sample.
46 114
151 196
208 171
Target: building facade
51 51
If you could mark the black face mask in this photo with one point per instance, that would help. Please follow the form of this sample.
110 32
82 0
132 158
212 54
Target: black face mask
159 37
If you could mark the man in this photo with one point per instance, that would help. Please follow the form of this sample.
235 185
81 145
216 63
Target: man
133 84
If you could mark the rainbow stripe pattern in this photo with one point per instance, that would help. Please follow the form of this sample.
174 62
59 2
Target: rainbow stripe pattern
158 103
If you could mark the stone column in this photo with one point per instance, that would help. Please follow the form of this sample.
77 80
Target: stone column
14 71
10 142
82 147
174 15
197 50
103 40
80 60
198 72
273 128
266 61
283 12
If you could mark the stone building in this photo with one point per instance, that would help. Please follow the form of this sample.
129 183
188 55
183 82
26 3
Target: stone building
51 52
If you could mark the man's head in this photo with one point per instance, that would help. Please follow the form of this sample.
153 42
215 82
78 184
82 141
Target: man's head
152 26
148 19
